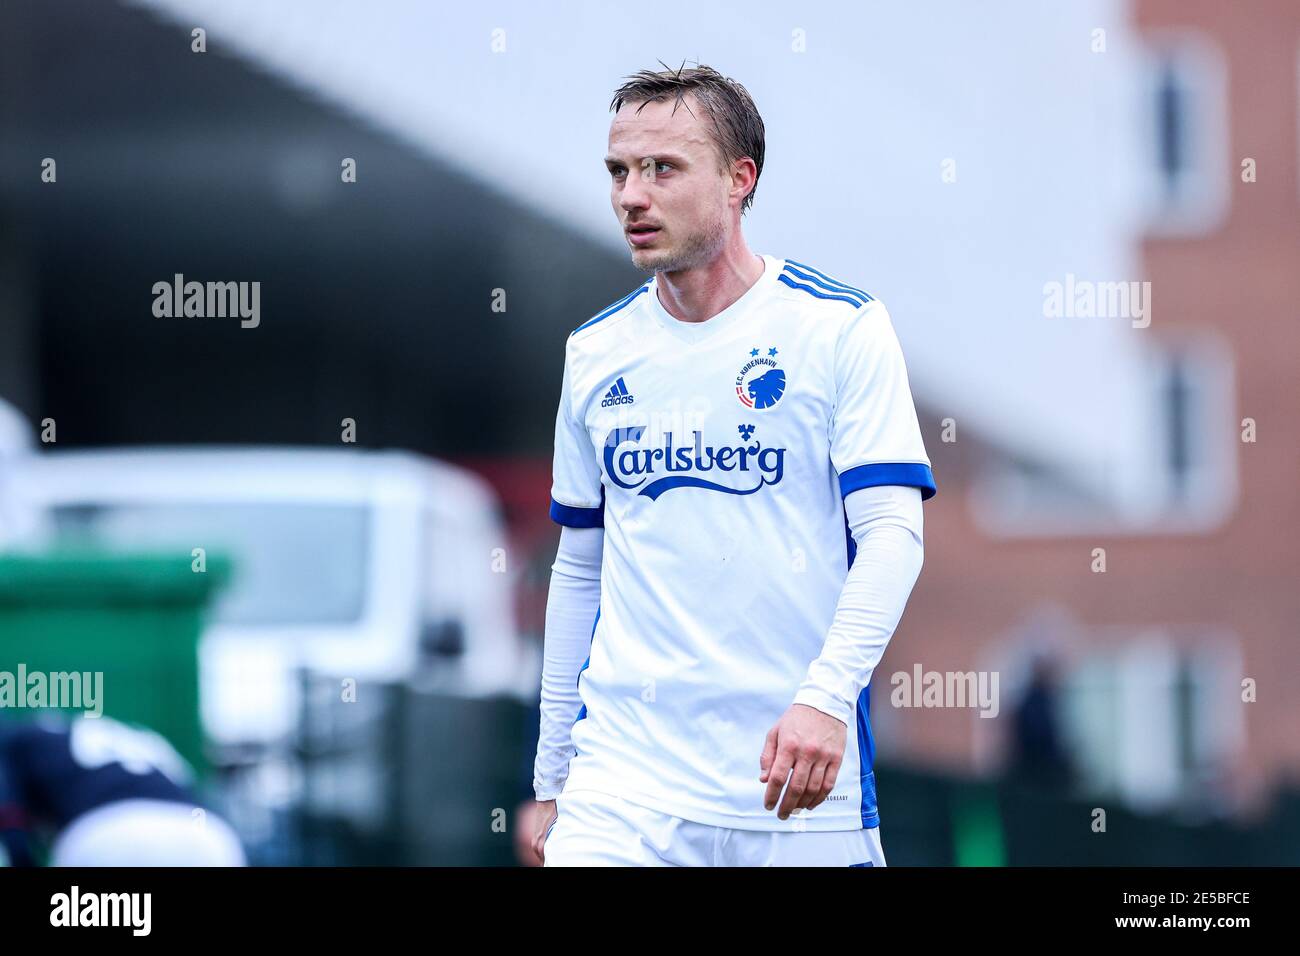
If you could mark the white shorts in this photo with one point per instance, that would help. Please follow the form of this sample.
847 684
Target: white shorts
598 829
147 833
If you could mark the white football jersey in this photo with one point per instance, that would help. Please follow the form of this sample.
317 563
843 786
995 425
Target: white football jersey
716 456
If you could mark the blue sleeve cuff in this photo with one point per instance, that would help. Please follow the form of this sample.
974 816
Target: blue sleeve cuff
578 517
912 474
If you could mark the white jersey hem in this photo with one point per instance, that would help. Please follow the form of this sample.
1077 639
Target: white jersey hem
815 822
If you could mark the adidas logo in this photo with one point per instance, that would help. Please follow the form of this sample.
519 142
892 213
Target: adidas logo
617 395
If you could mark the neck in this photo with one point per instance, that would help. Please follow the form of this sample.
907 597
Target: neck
697 295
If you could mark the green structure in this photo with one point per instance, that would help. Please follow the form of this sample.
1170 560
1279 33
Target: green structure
111 632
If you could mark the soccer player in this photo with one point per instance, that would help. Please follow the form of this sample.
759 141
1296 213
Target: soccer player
112 795
739 474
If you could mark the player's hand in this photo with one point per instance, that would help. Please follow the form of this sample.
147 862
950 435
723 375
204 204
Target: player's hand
522 829
805 748
546 814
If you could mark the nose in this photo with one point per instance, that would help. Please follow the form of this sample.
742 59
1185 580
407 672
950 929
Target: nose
634 194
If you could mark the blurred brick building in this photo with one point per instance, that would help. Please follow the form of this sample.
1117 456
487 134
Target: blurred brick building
1202 592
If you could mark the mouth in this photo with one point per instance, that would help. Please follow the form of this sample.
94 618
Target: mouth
641 234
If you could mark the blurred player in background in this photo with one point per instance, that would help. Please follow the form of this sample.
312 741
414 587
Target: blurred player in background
14 846
108 794
739 472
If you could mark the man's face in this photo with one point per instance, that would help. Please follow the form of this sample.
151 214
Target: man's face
665 175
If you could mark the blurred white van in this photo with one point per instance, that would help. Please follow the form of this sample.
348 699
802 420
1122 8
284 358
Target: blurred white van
17 440
375 565
16 437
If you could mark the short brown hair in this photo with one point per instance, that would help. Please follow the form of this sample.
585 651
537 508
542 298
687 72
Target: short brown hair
738 129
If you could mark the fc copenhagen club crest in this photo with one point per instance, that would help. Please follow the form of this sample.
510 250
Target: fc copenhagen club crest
761 381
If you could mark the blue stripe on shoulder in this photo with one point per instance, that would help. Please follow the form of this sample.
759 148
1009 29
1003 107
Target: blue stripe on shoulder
616 307
851 300
826 281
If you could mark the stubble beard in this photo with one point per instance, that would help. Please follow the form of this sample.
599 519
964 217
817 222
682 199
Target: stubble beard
698 249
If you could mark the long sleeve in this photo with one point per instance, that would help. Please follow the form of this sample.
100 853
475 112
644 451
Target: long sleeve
571 605
886 525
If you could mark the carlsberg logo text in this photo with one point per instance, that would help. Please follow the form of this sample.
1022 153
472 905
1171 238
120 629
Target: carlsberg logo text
744 468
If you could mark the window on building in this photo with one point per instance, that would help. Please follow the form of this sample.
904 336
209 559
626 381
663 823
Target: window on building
1148 716
1185 481
1184 133
1156 720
